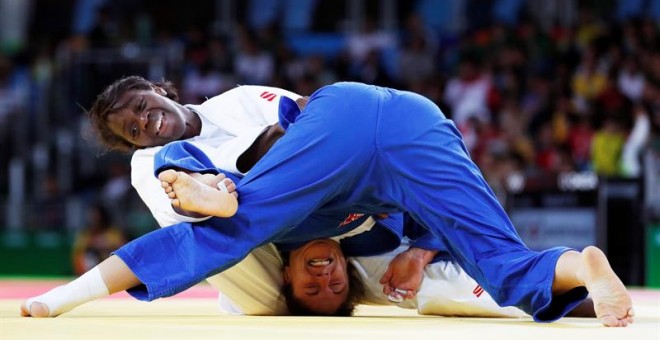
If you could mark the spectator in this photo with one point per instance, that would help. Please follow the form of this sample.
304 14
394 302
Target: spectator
369 39
467 94
589 80
607 147
252 64
417 62
579 140
97 241
204 82
631 79
635 142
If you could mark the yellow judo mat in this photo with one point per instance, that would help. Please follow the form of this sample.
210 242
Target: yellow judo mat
196 317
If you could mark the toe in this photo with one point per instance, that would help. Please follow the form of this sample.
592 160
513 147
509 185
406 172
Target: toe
24 310
609 320
168 176
39 310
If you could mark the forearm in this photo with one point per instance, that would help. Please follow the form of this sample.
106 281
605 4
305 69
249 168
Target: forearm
422 256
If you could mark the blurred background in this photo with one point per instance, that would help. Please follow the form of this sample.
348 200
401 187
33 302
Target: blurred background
558 102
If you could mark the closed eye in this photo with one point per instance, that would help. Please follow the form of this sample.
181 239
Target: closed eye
337 288
141 105
311 290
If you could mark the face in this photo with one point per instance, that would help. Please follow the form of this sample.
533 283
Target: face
149 118
317 273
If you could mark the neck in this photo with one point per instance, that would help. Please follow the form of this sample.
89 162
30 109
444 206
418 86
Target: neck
259 147
193 123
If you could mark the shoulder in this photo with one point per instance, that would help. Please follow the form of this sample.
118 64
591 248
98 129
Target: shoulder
259 92
142 154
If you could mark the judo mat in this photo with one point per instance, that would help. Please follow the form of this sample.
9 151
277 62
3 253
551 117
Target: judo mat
194 315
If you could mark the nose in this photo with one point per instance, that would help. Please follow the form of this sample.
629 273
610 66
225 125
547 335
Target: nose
323 279
143 118
323 274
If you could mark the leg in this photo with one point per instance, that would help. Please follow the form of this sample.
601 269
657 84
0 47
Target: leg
591 269
445 191
109 277
448 291
192 195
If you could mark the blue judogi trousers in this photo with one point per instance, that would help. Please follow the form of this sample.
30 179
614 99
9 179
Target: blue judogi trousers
357 148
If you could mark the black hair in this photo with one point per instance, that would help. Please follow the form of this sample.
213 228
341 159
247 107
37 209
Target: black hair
106 104
355 295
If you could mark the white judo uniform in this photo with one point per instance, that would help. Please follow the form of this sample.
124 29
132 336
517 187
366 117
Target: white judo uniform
230 124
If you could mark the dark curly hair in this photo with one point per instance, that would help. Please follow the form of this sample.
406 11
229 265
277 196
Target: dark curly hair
355 295
106 104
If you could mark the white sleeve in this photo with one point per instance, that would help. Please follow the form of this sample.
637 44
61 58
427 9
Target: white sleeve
262 102
149 189
252 286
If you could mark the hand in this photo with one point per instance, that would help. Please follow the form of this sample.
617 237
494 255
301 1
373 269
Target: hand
405 272
302 102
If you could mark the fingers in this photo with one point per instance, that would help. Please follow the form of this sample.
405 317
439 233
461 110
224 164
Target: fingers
398 295
222 187
227 186
386 277
302 102
387 289
231 186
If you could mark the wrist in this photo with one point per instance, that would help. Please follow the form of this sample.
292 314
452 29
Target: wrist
424 256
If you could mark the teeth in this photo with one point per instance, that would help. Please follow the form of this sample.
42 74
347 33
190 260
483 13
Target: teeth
319 263
159 123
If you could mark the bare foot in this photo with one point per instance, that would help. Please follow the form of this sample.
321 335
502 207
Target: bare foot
611 299
191 195
208 179
584 310
37 310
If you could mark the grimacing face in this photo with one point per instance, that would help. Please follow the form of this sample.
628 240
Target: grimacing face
318 276
148 118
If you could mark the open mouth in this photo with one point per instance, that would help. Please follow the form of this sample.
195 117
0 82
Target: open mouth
159 123
320 262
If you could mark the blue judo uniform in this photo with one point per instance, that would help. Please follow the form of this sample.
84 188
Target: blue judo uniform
356 148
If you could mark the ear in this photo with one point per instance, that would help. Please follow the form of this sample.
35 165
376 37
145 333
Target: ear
161 91
287 275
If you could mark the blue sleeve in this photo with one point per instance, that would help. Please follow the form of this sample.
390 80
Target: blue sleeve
184 155
288 112
421 238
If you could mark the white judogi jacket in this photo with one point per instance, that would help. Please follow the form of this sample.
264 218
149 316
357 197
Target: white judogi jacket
233 120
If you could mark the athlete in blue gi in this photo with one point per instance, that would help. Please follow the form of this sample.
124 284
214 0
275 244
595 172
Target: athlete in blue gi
364 149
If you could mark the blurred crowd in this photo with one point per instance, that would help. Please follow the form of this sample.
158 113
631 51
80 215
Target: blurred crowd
536 87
